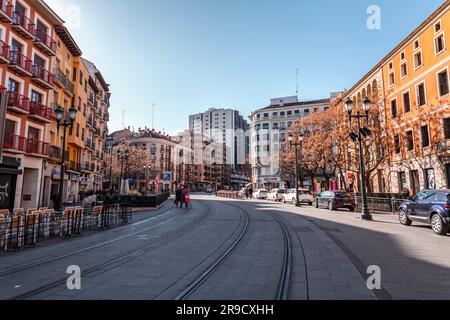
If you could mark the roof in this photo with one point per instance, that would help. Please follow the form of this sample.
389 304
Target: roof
297 104
95 73
44 8
435 14
68 40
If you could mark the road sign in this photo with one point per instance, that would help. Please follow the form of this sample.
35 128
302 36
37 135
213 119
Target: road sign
167 176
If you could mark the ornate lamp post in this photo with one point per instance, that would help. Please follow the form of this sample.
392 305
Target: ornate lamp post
64 122
296 143
363 132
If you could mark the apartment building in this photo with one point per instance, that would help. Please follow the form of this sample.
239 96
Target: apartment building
41 69
268 130
410 86
27 51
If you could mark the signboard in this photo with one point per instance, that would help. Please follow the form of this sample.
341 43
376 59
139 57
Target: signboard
167 176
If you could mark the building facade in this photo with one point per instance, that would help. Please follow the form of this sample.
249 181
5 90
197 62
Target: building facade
410 87
268 130
39 71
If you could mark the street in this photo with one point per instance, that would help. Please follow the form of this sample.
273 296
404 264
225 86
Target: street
229 249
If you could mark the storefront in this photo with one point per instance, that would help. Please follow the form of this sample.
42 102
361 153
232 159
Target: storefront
9 170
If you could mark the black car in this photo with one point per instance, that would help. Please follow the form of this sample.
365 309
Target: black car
335 199
428 206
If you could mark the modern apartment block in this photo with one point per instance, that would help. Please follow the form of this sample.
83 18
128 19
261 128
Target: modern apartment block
39 63
410 87
268 130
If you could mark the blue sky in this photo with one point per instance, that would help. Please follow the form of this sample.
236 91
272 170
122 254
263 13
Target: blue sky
189 55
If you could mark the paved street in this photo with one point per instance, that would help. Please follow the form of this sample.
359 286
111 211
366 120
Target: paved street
227 249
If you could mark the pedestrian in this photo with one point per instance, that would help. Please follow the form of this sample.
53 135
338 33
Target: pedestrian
250 192
178 199
186 197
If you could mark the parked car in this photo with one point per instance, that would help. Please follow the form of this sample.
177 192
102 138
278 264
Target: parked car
209 189
428 206
304 195
276 194
334 200
260 194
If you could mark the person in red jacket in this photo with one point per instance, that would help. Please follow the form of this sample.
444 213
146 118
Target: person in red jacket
186 197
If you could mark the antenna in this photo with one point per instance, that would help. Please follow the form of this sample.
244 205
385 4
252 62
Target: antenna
296 78
153 114
123 119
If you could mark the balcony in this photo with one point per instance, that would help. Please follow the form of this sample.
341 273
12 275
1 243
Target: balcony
42 77
20 63
23 25
91 98
74 166
90 121
88 143
45 42
40 112
38 148
6 11
55 153
63 82
18 103
14 143
4 52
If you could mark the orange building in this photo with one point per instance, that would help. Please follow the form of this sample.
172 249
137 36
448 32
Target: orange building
410 90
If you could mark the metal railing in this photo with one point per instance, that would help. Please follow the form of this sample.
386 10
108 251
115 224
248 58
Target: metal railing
23 21
45 39
19 230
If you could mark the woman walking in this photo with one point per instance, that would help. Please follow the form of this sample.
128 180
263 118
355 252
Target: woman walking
178 199
186 197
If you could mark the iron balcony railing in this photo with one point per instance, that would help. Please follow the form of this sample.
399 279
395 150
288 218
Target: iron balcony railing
4 51
55 152
37 147
40 73
38 109
6 8
20 60
62 78
44 38
23 21
16 100
14 142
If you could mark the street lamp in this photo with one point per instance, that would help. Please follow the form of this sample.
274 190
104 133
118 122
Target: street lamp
121 157
363 132
65 123
296 143
146 169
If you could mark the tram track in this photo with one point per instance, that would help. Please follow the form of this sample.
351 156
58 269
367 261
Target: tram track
121 258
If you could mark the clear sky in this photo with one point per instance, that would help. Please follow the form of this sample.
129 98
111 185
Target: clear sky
189 55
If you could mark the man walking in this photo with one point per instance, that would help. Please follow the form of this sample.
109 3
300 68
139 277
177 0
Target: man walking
178 197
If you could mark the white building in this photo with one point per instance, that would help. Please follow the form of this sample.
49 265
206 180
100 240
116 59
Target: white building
223 126
268 129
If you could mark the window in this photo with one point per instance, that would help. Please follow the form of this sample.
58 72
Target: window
443 83
446 124
282 114
266 115
425 136
275 114
390 66
297 112
275 126
397 144
81 77
74 74
391 78
409 140
402 185
78 130
430 182
82 134
403 70
402 55
36 96
79 103
406 102
416 44
439 43
13 86
394 108
418 61
10 128
289 113
437 27
306 111
265 126
420 91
